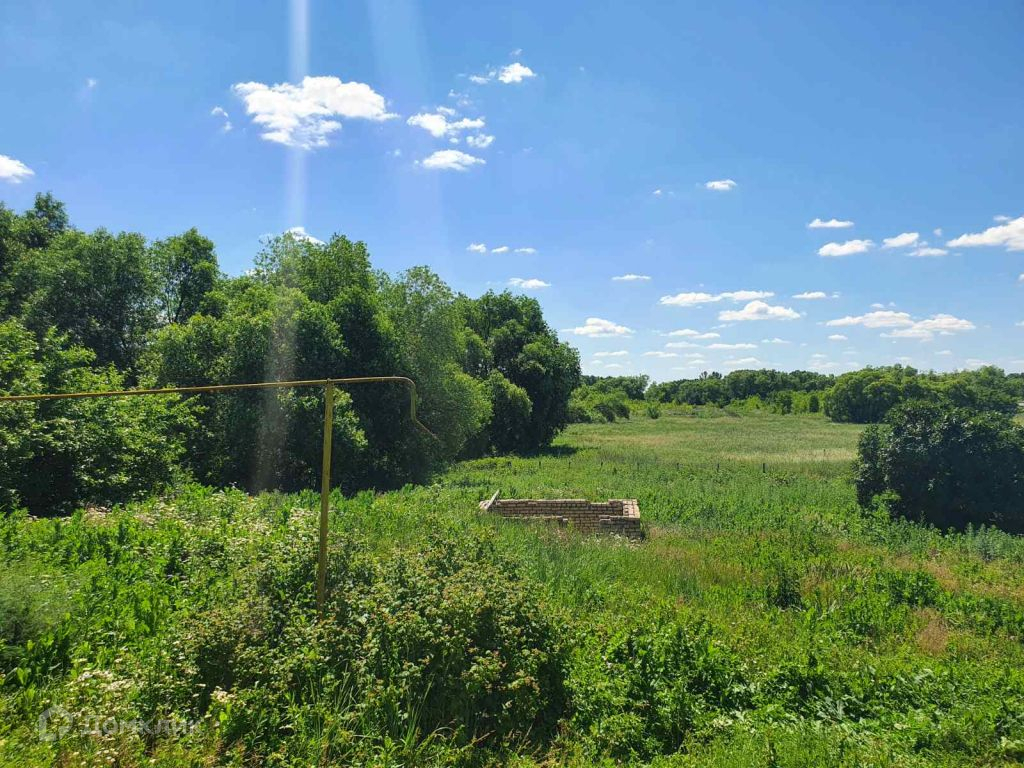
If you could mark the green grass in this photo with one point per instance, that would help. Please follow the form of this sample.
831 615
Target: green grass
765 621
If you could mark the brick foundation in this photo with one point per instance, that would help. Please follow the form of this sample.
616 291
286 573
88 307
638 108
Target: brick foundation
616 516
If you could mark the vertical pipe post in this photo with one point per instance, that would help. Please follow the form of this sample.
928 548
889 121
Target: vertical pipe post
325 497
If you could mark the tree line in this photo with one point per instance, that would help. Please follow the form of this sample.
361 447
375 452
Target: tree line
865 396
96 310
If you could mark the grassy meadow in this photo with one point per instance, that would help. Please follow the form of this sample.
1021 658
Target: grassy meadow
765 621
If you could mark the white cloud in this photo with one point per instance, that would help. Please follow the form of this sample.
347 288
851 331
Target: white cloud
741 362
684 332
944 325
758 310
91 83
776 340
451 160
660 354
848 248
477 248
480 141
438 125
597 328
900 241
306 114
1009 234
527 250
611 365
944 352
905 327
1021 278
657 193
480 79
221 112
720 185
811 295
937 231
882 318
698 298
973 363
13 170
515 73
837 337
528 284
682 345
616 353
925 251
300 233
732 346
500 249
629 278
830 224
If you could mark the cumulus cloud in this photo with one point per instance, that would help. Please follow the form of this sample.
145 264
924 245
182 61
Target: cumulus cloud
741 345
830 224
695 299
597 328
758 310
515 73
776 340
451 160
477 248
682 345
438 125
528 284
13 170
660 354
480 141
811 295
926 251
741 362
925 330
500 249
304 115
300 233
906 327
837 337
657 193
631 278
848 248
900 241
221 112
616 353
883 318
527 250
720 185
1009 234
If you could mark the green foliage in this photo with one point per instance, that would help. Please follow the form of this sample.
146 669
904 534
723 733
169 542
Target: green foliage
509 335
186 273
777 387
765 620
866 396
56 455
951 467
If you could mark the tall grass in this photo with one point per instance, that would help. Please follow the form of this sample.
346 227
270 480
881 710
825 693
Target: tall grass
765 621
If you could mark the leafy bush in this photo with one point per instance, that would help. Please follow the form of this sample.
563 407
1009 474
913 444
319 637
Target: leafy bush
866 396
946 466
56 455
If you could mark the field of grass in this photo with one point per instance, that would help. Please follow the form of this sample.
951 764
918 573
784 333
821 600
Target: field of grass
765 621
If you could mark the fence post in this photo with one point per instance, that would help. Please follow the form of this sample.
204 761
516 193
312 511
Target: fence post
325 497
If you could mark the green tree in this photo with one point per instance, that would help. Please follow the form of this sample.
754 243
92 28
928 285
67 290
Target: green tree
186 272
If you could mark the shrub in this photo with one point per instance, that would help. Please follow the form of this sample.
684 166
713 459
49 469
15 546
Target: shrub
946 466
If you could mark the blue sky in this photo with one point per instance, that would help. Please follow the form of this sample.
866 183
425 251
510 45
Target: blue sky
687 145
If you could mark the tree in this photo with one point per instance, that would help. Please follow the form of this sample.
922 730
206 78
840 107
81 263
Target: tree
186 272
98 288
947 466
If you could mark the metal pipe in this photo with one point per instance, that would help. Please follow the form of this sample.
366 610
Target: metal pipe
325 481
